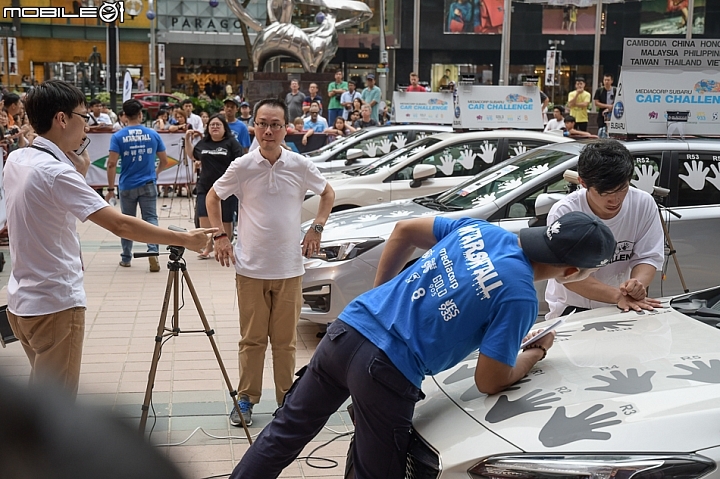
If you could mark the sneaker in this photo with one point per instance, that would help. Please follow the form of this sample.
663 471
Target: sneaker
124 264
154 264
246 408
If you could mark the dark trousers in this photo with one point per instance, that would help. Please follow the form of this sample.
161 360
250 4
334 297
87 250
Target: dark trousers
581 125
344 364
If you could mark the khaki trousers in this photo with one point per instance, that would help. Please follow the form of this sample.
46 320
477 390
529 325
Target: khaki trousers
53 344
268 309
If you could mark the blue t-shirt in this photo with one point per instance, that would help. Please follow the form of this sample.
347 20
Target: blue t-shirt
473 290
240 132
137 146
318 125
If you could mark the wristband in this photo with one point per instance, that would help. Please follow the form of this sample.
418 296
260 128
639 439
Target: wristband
221 235
111 189
539 346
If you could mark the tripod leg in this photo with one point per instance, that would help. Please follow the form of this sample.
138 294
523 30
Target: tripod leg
171 281
672 251
210 333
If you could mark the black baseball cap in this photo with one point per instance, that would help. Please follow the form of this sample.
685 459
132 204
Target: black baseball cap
232 100
575 239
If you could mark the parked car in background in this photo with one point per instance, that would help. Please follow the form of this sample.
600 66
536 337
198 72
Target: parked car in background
427 166
620 395
506 194
368 144
152 102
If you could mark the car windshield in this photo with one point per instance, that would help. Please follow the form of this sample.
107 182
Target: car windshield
494 183
397 156
335 145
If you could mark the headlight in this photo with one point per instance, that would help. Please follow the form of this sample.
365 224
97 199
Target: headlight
342 250
617 466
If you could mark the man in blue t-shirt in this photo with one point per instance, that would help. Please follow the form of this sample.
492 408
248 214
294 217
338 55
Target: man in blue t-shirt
472 289
137 146
238 128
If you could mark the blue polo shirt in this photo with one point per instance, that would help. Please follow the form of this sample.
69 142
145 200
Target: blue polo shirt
318 126
473 290
240 132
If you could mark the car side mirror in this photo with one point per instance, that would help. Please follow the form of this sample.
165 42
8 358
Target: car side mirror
543 203
353 154
422 173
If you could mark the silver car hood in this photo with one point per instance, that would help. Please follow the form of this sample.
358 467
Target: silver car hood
612 382
371 221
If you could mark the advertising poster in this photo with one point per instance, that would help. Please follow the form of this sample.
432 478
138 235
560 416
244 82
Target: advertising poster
474 16
669 17
499 107
415 107
570 20
178 171
2 56
12 56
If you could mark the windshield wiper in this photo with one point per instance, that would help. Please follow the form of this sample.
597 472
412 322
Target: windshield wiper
433 204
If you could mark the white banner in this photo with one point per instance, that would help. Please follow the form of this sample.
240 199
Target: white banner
178 172
644 99
161 61
418 107
12 56
494 107
550 60
671 53
127 87
2 56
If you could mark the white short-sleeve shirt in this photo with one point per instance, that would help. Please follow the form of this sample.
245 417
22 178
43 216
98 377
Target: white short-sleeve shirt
45 197
639 239
270 201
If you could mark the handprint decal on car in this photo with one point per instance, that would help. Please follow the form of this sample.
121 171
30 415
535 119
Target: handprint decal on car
371 149
487 152
400 140
467 158
695 178
716 180
608 325
385 146
537 170
703 373
646 178
447 164
483 200
625 384
520 148
505 409
510 185
561 429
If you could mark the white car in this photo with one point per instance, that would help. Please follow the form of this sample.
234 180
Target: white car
427 166
368 144
620 395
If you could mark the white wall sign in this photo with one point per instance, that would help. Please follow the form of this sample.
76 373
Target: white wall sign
161 61
127 87
417 107
550 61
12 56
493 107
671 53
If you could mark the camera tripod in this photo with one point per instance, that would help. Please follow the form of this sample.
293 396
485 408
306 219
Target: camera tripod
187 168
175 266
660 194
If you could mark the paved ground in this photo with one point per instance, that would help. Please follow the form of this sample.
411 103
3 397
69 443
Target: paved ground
123 314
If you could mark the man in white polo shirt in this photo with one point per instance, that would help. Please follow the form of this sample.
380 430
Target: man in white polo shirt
270 184
46 194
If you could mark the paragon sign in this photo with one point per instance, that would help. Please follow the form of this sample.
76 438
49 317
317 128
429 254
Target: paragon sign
108 12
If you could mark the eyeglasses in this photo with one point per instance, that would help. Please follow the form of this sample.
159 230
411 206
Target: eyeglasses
86 117
273 126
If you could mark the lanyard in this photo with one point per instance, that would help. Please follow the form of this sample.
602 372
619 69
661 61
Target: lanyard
45 150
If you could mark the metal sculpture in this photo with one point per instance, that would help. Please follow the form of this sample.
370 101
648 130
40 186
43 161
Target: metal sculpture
312 47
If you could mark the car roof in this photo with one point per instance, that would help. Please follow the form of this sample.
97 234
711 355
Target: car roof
525 134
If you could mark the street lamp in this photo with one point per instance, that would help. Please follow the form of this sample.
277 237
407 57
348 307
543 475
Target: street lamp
153 72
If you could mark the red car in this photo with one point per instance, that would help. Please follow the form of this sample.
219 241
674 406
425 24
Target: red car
152 102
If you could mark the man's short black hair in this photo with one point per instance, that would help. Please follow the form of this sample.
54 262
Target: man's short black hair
132 108
582 79
608 75
11 99
560 109
186 101
44 101
569 119
605 165
94 102
274 103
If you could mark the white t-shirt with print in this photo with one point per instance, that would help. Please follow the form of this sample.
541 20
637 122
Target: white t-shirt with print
639 238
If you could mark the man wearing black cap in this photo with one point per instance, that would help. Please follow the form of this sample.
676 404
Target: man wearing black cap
472 289
238 128
372 95
246 117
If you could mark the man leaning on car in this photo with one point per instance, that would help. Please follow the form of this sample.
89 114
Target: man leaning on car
472 289
605 168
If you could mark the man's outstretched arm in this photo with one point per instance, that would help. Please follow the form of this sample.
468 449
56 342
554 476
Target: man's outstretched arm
407 235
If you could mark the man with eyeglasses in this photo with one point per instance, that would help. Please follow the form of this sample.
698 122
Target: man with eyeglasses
270 183
46 194
605 168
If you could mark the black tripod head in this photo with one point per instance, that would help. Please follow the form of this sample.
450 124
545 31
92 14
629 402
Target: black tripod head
176 252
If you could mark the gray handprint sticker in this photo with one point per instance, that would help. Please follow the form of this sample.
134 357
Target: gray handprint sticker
463 372
471 394
704 373
518 384
561 429
505 409
625 384
608 325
